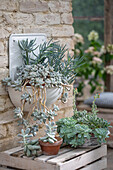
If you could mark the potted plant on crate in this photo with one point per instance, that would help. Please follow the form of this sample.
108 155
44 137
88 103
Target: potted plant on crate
50 144
31 86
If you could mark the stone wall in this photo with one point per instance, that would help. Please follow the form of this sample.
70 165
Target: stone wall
53 17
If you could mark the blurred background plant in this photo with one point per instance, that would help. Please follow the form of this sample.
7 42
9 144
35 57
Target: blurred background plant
96 56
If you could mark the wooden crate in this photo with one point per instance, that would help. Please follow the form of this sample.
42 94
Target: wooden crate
90 158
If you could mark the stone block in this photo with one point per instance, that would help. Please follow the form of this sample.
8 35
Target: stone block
66 41
1 18
39 29
3 73
13 129
3 33
62 31
1 48
3 90
3 61
54 6
48 19
7 116
8 143
33 6
65 6
2 104
19 19
67 18
8 104
7 5
3 131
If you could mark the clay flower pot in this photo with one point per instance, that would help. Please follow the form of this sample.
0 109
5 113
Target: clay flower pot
51 148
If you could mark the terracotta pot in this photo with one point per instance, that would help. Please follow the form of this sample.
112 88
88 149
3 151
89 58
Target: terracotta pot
51 148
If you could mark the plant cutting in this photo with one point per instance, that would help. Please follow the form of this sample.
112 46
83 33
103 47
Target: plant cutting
50 144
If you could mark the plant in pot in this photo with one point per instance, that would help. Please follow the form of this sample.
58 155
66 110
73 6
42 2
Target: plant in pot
83 128
38 75
50 144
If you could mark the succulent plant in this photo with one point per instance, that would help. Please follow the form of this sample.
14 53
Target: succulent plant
72 132
52 54
30 146
27 48
51 130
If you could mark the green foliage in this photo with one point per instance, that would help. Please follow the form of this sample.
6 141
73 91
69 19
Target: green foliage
51 129
27 48
94 70
52 54
30 146
42 116
73 133
76 129
37 76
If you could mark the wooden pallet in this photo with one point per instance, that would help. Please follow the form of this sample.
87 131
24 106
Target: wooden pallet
90 158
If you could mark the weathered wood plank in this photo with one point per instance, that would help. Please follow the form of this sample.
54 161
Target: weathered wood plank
84 159
22 163
69 155
10 151
101 164
5 168
44 158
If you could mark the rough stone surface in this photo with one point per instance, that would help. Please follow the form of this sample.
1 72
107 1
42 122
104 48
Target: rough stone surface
3 61
3 73
62 31
2 104
1 48
34 6
13 129
52 17
54 6
3 131
66 18
19 19
7 5
9 142
2 90
65 7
